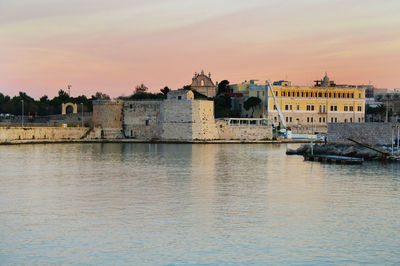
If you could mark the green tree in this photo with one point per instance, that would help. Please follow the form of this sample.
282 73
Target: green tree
141 89
252 103
223 87
222 106
165 91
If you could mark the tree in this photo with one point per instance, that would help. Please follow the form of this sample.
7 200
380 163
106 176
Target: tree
101 96
222 106
44 99
165 91
223 87
63 95
141 89
252 103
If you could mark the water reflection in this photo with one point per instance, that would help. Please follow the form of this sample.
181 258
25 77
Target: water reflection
183 204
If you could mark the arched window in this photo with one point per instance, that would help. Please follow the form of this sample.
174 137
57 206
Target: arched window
202 83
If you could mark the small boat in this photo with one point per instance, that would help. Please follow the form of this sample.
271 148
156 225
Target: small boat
333 159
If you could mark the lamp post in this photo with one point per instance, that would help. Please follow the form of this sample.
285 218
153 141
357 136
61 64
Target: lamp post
82 113
22 113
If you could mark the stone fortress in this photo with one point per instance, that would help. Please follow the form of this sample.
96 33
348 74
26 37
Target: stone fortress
178 118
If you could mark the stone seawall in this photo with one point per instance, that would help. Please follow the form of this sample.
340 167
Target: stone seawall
47 133
228 132
367 133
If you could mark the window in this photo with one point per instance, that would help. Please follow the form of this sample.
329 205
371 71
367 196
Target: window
290 119
131 106
323 119
359 95
274 107
286 107
312 107
258 94
147 122
345 120
287 119
346 108
332 108
320 94
326 94
359 108
335 119
351 108
306 94
320 120
331 119
351 120
352 95
298 107
335 108
308 120
308 107
330 95
298 94
179 97
359 120
290 106
302 94
283 93
312 119
334 95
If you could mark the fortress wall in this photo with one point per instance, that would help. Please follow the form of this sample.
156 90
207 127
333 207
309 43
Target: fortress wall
142 119
177 120
108 116
204 127
43 133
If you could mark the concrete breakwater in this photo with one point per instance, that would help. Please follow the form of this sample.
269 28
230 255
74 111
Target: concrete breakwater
341 150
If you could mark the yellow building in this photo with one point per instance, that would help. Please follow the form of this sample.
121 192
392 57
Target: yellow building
323 103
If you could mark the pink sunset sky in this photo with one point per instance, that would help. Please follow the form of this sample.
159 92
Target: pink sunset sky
112 46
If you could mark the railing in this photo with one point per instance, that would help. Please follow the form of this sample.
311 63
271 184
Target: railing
247 122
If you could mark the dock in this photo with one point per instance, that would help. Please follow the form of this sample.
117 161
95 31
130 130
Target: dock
333 159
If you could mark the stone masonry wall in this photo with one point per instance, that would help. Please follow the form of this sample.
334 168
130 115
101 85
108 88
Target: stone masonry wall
142 119
108 115
45 133
368 133
177 120
228 132
204 127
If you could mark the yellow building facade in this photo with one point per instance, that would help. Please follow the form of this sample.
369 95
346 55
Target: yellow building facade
323 103
317 105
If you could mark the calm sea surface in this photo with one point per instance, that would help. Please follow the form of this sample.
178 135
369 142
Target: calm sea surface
193 204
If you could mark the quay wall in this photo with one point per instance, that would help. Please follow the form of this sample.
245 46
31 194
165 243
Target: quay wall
228 132
367 133
46 133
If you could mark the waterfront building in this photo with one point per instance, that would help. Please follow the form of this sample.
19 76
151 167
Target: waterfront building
203 84
323 103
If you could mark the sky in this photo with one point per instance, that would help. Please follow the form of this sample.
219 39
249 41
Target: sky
112 46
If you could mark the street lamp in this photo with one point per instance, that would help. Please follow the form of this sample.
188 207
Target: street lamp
22 114
82 113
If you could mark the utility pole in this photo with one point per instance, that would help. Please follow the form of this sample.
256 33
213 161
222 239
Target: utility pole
82 113
22 114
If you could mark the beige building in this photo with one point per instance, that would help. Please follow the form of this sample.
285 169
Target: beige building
323 103
203 84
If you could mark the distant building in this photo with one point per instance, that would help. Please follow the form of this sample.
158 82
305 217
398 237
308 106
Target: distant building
203 84
325 102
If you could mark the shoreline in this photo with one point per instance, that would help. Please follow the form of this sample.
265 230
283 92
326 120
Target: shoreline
74 141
